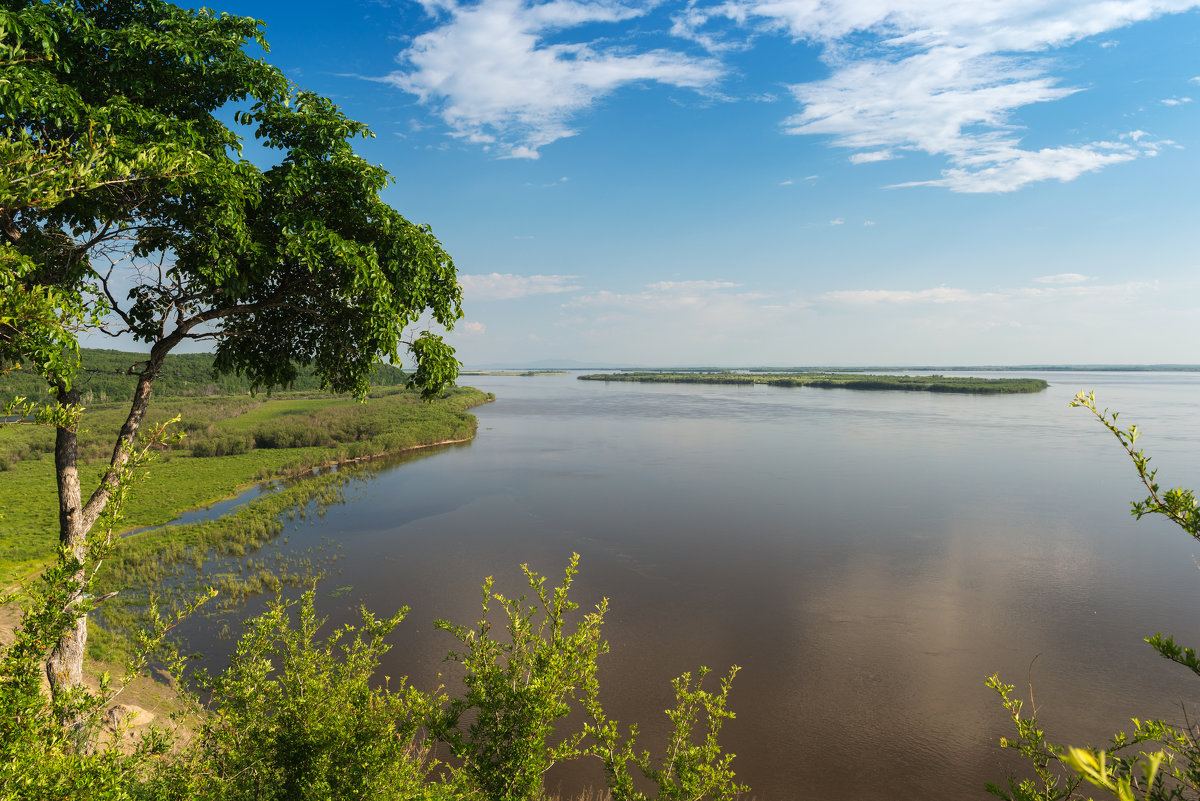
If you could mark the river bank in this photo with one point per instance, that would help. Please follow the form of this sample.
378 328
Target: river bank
231 443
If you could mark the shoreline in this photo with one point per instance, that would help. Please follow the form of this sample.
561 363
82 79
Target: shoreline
16 586
306 472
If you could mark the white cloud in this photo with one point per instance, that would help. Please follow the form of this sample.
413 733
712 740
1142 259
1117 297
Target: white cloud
681 324
1062 278
939 294
507 286
1176 101
1062 287
680 320
874 155
868 222
500 74
693 296
691 286
785 183
1107 292
838 221
943 77
1008 169
473 328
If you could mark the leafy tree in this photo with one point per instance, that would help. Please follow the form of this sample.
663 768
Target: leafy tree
1159 761
125 207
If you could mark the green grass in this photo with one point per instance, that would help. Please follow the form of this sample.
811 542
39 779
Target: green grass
258 438
280 408
930 383
223 554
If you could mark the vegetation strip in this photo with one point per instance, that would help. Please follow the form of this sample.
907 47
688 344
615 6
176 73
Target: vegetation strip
231 442
928 383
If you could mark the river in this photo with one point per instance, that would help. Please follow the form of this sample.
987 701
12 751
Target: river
867 558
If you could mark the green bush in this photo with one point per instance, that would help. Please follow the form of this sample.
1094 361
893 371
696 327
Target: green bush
295 716
228 445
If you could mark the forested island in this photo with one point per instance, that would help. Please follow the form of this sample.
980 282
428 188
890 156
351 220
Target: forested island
826 380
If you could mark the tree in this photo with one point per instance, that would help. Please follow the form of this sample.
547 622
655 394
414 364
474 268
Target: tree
126 207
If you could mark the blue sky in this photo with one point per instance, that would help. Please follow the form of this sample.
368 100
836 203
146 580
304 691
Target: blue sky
787 182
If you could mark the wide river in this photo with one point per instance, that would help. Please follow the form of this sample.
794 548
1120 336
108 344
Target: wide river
867 558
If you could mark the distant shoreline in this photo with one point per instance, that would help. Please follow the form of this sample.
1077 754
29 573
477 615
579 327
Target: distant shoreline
983 368
830 380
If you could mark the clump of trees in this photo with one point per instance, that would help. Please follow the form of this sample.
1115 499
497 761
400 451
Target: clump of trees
104 376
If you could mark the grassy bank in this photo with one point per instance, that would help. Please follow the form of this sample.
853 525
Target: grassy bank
231 442
929 383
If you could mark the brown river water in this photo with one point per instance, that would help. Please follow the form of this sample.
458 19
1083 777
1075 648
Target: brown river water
867 558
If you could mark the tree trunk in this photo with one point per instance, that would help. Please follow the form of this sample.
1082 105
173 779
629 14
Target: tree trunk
64 668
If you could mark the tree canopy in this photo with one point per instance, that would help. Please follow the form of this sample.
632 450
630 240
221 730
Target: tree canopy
127 207
118 166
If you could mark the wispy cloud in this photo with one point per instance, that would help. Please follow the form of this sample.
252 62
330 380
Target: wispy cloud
678 323
1065 286
943 77
507 286
1176 101
691 286
501 76
1061 278
674 318
1104 292
873 155
673 295
939 294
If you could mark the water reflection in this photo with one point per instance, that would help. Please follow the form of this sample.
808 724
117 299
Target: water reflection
867 557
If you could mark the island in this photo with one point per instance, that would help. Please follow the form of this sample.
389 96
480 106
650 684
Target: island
826 380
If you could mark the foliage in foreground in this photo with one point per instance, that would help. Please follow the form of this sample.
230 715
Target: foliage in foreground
298 716
1158 761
